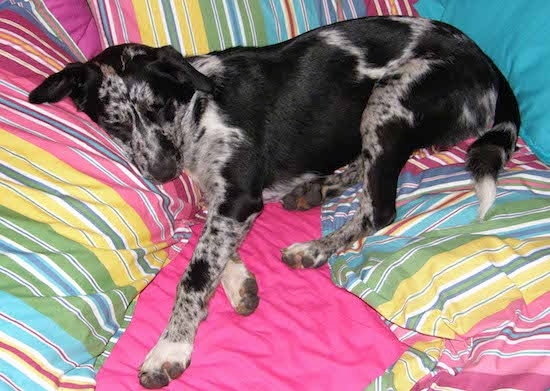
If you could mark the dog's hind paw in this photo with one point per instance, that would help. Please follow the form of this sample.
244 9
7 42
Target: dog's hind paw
165 362
304 197
303 255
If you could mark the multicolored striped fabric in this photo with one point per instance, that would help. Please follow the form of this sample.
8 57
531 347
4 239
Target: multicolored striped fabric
470 298
81 232
198 27
43 17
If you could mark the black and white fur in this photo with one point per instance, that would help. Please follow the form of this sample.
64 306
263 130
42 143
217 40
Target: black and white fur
251 124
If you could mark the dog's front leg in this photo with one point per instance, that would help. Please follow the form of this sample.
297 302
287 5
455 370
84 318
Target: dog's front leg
240 286
219 240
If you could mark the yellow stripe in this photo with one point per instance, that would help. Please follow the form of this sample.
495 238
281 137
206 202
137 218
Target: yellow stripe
151 22
534 278
196 32
24 200
446 158
418 164
470 308
409 369
144 24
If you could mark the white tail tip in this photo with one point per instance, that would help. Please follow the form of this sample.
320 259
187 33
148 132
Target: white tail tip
486 191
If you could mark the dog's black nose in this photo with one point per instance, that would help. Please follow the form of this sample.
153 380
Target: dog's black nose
163 169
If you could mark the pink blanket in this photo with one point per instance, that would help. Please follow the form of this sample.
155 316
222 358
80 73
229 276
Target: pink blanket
307 334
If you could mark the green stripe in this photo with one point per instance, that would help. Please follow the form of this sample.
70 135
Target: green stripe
224 23
210 27
170 22
70 323
61 245
408 268
499 210
258 34
83 210
123 325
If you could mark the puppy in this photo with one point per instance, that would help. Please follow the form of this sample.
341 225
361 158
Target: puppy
257 124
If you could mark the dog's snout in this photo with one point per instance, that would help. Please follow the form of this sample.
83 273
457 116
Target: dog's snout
163 169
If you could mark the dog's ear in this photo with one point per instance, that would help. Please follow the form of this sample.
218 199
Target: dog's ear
173 65
75 81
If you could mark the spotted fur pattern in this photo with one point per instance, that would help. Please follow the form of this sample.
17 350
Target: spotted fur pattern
251 124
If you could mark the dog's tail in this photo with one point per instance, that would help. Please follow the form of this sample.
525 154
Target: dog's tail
488 154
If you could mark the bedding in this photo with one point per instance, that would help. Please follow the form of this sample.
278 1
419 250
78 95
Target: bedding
197 27
78 22
305 335
460 305
471 299
81 232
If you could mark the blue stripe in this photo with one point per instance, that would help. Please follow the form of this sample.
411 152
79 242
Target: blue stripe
234 25
103 17
42 267
44 326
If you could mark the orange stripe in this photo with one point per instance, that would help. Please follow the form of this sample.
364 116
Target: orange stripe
291 18
32 49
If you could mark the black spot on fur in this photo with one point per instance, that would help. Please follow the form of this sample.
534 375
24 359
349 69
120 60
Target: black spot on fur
200 132
198 109
198 275
367 155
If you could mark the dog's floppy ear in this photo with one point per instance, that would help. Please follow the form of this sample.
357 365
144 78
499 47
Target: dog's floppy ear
172 64
74 81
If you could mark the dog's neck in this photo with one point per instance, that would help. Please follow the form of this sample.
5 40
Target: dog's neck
205 136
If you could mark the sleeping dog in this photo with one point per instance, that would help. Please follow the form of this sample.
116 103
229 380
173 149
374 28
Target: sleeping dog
257 124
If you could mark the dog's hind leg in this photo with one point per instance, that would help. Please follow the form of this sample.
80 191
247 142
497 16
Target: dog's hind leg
223 232
376 210
240 286
311 194
385 126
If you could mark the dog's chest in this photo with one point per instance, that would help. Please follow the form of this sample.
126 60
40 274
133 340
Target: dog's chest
208 148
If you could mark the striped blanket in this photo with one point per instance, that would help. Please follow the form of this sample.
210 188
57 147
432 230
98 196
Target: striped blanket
81 232
471 299
197 26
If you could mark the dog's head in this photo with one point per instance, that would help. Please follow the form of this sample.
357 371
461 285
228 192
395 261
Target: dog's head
134 92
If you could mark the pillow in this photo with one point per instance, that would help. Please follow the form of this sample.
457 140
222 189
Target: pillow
197 27
77 20
515 35
81 232
43 17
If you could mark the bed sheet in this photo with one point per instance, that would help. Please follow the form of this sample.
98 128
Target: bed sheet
307 334
471 299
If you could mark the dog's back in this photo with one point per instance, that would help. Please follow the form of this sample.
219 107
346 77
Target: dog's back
301 103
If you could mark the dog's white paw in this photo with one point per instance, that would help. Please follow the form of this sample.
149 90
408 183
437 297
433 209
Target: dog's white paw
166 361
240 287
303 255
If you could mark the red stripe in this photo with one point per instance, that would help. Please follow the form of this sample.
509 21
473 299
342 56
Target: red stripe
290 19
24 357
